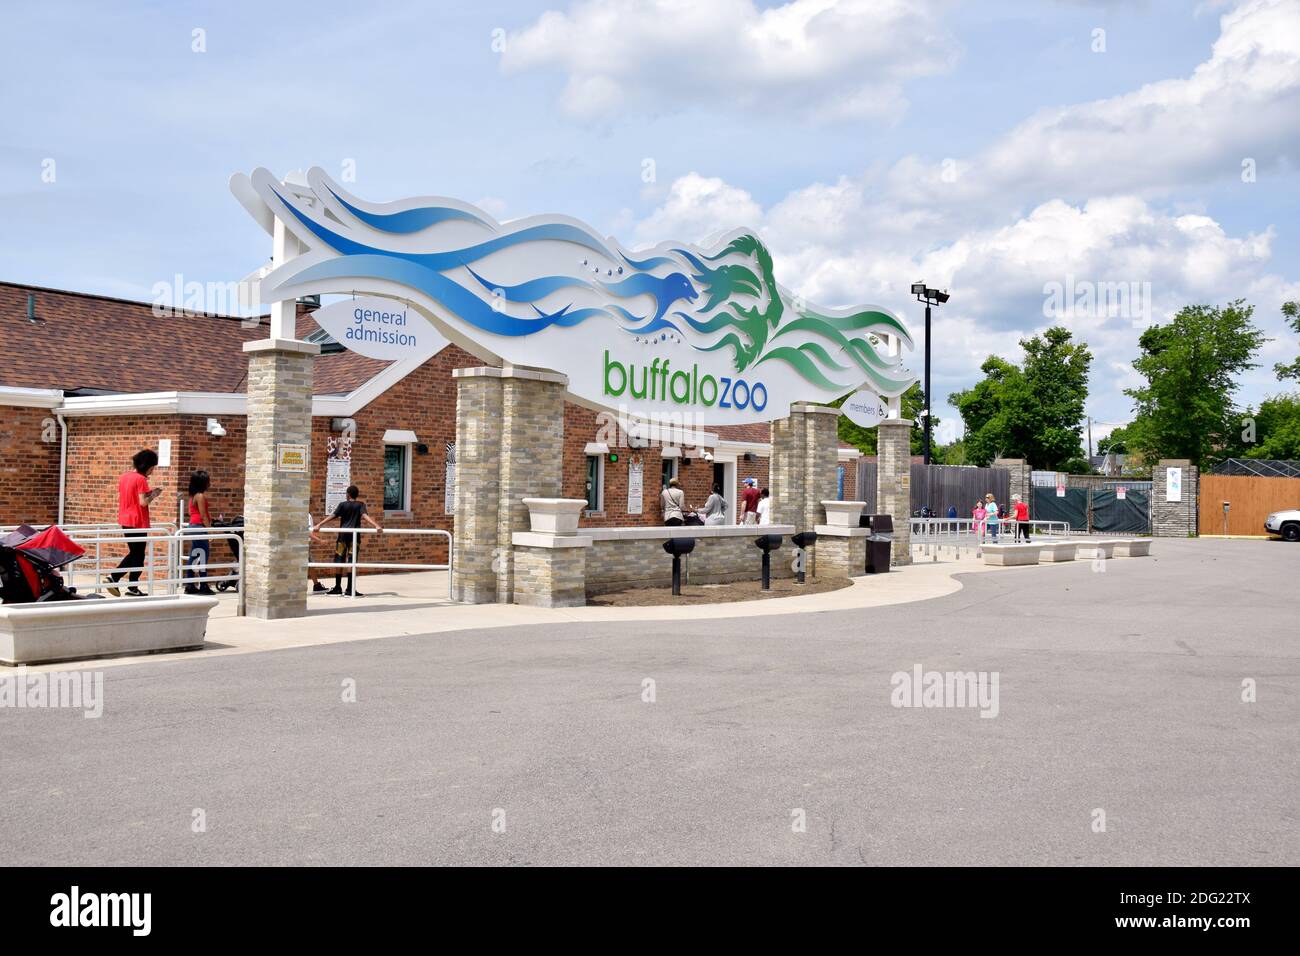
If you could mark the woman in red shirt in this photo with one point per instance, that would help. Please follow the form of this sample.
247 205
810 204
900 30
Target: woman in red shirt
133 498
1022 518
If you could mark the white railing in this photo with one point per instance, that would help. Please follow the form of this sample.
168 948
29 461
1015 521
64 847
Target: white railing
173 562
931 535
353 564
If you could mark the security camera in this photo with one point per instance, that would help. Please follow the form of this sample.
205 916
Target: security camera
707 456
215 428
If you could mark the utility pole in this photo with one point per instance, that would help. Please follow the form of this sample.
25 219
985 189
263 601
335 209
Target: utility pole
1089 439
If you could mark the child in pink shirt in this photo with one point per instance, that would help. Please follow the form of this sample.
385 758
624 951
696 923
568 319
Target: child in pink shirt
979 515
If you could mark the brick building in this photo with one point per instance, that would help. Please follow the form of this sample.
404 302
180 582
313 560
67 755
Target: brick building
89 380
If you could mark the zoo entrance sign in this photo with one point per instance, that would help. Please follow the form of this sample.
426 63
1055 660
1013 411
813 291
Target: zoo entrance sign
676 328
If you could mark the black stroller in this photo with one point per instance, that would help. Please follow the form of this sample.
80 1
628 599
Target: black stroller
29 560
234 525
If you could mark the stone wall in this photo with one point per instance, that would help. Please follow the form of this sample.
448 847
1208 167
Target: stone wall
1020 476
805 456
1174 519
615 563
550 577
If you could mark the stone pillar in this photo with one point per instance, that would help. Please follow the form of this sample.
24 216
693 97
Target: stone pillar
277 477
1018 471
894 483
805 453
550 560
1175 519
478 484
509 446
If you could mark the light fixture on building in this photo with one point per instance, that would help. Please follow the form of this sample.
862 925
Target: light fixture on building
216 429
930 297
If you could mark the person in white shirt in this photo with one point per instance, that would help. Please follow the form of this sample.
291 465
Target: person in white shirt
764 507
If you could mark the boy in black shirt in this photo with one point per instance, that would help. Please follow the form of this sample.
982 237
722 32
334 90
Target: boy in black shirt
350 514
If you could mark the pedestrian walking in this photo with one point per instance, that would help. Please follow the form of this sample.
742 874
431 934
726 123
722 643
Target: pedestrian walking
133 499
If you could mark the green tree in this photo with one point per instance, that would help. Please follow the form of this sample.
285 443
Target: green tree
1291 310
1117 442
1276 429
1185 409
864 439
1034 413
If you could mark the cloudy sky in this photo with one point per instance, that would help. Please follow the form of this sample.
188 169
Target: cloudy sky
999 150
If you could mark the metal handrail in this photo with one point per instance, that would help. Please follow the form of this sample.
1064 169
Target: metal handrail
174 577
391 566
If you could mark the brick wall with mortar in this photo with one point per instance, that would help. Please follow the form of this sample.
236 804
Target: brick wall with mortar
1174 519
276 502
1019 475
894 484
805 455
29 465
478 488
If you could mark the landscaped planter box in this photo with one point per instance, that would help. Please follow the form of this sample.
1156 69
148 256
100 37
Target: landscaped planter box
75 630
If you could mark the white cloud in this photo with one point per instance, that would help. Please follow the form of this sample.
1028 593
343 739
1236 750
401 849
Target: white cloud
695 208
826 59
1240 104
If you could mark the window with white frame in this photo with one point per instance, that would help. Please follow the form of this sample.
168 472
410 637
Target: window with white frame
397 477
595 482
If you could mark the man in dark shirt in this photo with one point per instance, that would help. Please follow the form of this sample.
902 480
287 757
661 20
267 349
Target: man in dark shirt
350 514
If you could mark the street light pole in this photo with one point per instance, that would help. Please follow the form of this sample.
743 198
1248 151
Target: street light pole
929 297
925 447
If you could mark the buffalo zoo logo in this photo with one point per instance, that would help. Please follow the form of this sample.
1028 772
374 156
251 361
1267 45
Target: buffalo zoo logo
922 688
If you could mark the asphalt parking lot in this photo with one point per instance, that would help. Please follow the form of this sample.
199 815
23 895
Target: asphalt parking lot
1119 691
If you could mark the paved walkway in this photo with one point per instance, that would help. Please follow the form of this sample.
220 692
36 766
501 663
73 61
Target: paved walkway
398 604
1120 692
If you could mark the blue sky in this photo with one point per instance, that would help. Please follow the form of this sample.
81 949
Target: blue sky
987 147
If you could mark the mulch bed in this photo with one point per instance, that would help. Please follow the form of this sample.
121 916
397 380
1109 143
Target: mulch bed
715 593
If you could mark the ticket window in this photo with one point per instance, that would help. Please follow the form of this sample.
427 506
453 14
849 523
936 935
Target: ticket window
595 483
669 466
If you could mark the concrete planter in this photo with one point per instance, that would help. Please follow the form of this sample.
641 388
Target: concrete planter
555 515
1057 551
1011 555
843 514
1092 550
1133 548
75 630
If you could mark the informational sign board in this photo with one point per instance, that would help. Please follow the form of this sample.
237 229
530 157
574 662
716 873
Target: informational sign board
674 330
865 408
449 476
338 472
290 457
1060 491
380 328
635 487
1173 484
1121 493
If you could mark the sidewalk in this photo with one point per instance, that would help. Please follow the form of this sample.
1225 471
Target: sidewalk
400 604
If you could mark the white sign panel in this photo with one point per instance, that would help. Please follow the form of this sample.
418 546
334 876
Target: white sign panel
380 328
164 452
1121 493
692 334
1173 484
1060 491
865 408
635 487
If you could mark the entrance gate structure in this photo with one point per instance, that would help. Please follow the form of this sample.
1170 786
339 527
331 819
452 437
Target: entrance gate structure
678 333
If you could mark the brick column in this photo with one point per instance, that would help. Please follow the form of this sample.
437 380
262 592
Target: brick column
1018 471
511 423
276 497
894 483
1174 519
805 453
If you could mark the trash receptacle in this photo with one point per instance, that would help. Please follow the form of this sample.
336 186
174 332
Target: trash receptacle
879 543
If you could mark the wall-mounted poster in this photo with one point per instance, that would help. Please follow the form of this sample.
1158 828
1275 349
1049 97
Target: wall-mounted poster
338 471
449 489
1173 484
635 487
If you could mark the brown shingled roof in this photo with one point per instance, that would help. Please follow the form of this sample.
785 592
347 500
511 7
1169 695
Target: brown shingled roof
96 342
